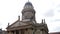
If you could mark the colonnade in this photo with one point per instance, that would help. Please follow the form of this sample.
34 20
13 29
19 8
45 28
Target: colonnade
26 31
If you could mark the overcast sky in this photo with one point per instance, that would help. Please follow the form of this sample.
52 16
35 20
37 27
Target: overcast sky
45 9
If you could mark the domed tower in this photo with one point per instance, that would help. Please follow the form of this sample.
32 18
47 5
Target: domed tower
28 13
28 24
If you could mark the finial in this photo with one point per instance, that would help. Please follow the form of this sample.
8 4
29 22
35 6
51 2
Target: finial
42 21
28 0
8 24
18 17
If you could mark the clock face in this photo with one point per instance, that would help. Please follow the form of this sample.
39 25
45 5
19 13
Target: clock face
28 14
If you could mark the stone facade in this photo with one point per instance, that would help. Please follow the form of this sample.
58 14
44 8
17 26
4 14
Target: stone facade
28 24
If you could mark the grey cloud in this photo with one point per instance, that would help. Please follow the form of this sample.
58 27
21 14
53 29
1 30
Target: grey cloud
58 5
58 10
57 20
0 24
50 13
57 29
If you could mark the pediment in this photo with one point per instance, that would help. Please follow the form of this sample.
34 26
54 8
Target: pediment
17 23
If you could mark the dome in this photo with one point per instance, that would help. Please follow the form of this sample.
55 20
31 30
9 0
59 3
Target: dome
28 5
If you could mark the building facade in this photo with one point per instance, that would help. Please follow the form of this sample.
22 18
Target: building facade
0 31
28 24
3 31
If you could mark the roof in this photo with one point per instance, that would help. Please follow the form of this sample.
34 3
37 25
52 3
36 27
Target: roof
28 3
54 33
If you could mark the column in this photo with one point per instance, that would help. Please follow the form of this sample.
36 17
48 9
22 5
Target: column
41 31
10 32
34 31
19 31
26 31
7 32
14 32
